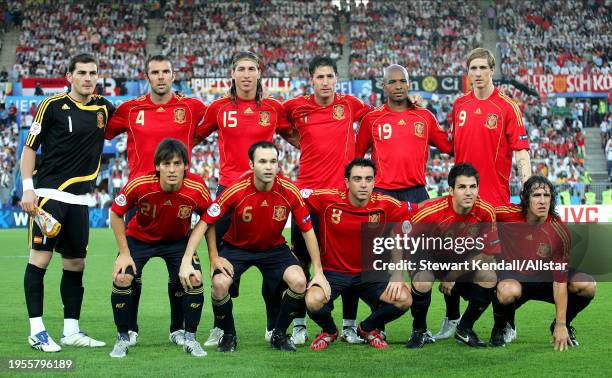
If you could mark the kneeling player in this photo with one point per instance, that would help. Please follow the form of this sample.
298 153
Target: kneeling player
259 206
533 231
342 214
461 214
164 201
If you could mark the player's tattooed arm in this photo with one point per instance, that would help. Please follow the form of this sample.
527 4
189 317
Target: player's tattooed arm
523 164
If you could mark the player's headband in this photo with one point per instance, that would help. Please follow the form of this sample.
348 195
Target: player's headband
245 55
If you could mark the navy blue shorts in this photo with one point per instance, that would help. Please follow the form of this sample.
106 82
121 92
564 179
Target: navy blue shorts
171 253
415 194
272 264
342 284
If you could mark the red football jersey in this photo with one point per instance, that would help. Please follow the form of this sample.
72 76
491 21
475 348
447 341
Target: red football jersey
239 125
550 241
147 124
341 223
485 133
161 216
327 138
439 219
400 145
258 218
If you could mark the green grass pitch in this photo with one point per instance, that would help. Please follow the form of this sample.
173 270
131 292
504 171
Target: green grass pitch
531 355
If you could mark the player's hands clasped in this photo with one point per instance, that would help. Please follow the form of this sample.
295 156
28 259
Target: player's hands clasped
320 280
122 262
221 264
28 201
561 337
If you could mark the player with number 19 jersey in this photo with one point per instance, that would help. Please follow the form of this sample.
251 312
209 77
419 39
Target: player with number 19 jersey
400 145
147 124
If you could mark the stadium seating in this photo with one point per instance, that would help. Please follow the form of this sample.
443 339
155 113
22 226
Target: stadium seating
555 37
202 37
54 31
428 38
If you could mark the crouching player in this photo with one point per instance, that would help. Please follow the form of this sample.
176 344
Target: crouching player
164 202
342 214
459 215
260 205
533 231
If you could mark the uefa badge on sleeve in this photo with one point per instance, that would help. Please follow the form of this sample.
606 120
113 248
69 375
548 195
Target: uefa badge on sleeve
214 210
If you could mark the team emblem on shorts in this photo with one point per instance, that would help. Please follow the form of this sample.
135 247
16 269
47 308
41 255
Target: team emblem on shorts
264 118
339 112
100 118
419 129
280 213
179 115
491 121
184 211
121 200
544 250
35 129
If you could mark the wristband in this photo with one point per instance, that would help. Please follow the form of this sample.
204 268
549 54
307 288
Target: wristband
28 184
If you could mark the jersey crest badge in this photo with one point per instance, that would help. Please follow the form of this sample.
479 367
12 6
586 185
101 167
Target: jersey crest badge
280 213
419 129
374 218
491 121
184 211
339 112
100 119
264 118
544 251
179 115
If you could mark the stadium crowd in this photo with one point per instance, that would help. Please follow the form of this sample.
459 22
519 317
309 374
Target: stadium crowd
428 38
295 32
54 31
553 37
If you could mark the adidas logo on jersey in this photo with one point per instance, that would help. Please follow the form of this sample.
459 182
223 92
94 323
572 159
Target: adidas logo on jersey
478 111
248 110
65 107
161 109
168 203
401 122
264 203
